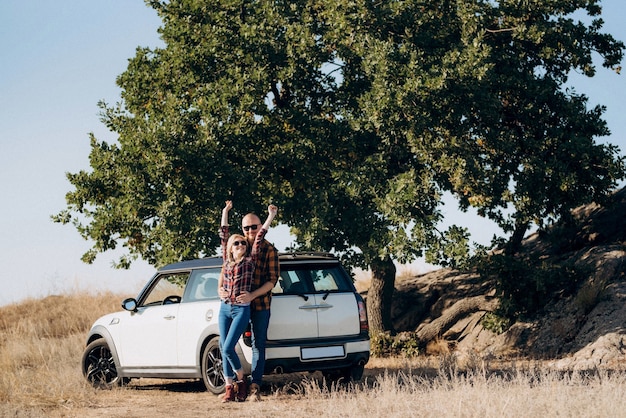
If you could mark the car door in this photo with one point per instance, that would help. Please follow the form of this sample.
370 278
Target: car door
313 301
294 313
337 314
337 308
148 337
198 311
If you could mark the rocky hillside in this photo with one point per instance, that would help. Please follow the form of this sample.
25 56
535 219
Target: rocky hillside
583 329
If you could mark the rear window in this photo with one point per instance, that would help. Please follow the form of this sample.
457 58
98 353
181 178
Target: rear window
312 279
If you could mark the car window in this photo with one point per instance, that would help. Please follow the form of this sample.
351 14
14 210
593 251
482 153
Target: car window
325 280
168 288
202 285
313 278
291 282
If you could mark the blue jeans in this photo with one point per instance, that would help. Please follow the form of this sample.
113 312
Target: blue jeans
260 321
233 320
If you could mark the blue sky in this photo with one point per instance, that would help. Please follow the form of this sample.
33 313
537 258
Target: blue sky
57 60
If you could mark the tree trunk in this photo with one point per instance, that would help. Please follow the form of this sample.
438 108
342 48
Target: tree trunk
515 242
451 315
380 295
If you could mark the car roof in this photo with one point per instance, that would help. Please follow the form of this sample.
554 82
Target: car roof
217 261
193 264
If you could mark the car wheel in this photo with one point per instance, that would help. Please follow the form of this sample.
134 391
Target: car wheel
98 365
212 371
333 376
346 375
355 373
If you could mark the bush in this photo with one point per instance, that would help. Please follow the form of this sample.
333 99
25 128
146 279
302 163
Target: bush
525 286
495 323
386 345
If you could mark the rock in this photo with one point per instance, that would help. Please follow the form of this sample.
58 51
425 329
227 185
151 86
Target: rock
582 330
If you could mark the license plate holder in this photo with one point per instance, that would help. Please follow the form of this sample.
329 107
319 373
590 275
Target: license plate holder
317 353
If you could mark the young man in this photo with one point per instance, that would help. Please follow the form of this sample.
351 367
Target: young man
266 273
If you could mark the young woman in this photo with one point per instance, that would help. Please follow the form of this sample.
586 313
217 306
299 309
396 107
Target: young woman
235 285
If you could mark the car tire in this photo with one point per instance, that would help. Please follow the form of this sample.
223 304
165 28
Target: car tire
346 375
211 366
99 366
355 373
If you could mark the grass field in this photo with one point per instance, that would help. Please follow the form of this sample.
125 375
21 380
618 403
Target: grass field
41 343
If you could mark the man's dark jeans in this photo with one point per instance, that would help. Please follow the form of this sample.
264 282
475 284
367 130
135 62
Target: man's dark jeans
260 321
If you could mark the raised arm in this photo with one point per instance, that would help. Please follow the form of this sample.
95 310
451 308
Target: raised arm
227 207
272 210
224 233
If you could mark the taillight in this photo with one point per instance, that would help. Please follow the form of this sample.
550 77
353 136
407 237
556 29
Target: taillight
363 317
247 336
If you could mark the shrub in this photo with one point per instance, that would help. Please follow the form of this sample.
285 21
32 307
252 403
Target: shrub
525 286
386 345
495 323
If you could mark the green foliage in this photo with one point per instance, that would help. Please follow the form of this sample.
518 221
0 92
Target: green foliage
383 344
355 111
495 323
525 286
354 118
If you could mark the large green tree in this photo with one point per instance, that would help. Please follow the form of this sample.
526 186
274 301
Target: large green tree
529 154
354 117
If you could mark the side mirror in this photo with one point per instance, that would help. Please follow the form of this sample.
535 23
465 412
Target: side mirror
130 304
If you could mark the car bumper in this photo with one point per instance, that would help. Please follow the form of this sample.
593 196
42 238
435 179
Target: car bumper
310 358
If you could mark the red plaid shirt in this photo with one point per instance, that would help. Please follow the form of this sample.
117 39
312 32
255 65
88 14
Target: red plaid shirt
267 269
238 277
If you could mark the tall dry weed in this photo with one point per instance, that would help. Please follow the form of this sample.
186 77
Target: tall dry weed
57 315
41 343
514 393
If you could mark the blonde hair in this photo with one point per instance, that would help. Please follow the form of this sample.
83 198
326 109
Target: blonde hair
229 247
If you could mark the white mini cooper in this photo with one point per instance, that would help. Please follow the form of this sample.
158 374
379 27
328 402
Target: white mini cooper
170 330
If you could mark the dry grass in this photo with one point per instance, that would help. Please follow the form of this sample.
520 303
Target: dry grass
41 344
363 278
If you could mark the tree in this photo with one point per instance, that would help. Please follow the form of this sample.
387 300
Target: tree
530 143
353 117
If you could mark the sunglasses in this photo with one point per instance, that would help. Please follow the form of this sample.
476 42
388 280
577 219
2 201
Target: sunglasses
238 243
252 227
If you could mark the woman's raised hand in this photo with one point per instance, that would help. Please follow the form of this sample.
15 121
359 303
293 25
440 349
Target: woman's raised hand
227 207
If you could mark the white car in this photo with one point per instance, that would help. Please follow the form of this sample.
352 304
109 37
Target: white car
318 322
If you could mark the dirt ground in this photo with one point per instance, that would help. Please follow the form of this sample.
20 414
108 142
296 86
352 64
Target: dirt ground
282 396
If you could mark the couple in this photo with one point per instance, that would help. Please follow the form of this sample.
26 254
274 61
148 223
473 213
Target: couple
249 273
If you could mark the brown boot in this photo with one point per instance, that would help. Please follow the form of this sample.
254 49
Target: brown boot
229 395
242 390
255 393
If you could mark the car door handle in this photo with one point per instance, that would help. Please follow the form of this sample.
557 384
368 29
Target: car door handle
169 317
325 305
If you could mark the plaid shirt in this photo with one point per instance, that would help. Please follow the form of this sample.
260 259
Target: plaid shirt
238 277
267 270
